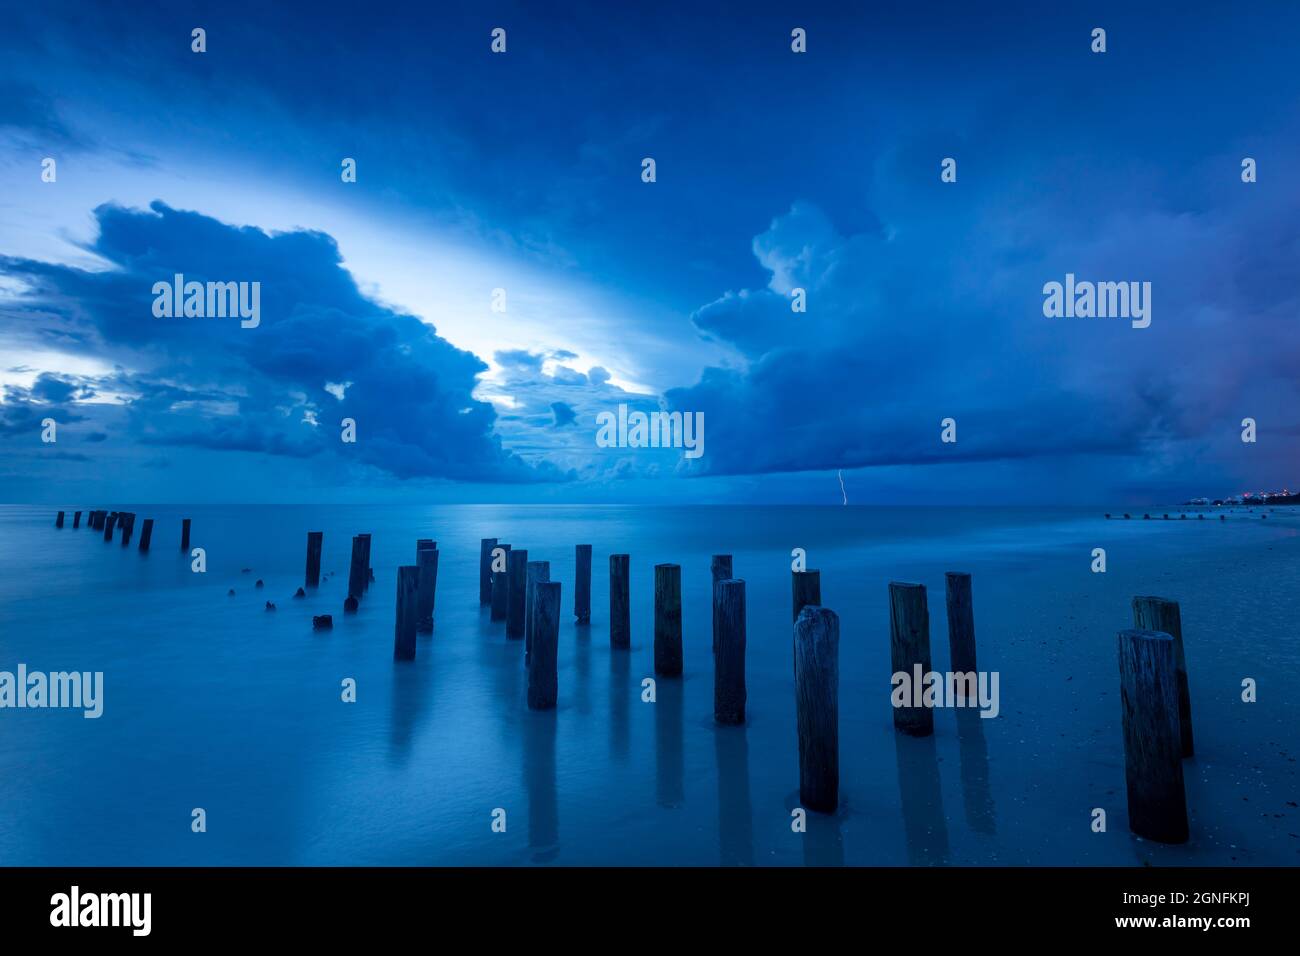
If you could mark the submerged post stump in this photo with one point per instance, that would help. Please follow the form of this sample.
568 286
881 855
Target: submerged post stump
314 541
668 619
620 601
358 568
58 522
537 572
729 652
543 682
408 587
720 569
817 706
909 655
185 534
1159 614
516 579
146 534
1153 767
961 625
426 559
76 520
485 570
582 584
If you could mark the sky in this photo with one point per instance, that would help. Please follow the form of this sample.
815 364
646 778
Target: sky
522 171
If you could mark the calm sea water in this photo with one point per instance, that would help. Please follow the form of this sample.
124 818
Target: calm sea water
213 702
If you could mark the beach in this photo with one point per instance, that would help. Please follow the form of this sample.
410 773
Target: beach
212 702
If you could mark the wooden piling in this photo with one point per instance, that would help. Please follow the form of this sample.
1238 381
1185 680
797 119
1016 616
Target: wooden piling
537 572
58 522
729 652
516 579
127 522
543 680
500 599
817 708
805 589
720 569
408 588
961 625
357 569
620 601
426 559
582 584
108 526
909 646
185 534
485 570
146 534
76 520
315 539
1153 768
668 619
368 573
425 544
1159 614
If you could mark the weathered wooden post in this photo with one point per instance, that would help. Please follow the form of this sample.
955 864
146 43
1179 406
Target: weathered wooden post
314 541
185 534
1159 614
368 573
543 680
729 652
720 568
426 559
516 599
909 654
620 601
817 707
1153 768
425 544
76 520
582 584
485 547
108 526
408 587
357 569
501 583
127 521
58 522
538 571
805 589
146 534
668 619
961 626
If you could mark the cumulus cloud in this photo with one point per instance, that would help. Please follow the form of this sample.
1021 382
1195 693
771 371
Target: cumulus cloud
323 352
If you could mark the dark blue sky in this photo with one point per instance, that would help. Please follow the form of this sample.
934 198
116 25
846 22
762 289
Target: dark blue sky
521 171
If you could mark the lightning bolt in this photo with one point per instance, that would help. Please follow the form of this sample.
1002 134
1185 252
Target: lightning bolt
843 493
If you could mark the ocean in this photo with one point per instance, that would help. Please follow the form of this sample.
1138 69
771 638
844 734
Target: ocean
212 702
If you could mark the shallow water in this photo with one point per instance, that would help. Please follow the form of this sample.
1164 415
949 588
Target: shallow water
213 702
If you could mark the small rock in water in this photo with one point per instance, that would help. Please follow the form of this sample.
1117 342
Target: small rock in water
245 570
258 584
270 606
322 622
350 605
300 593
230 593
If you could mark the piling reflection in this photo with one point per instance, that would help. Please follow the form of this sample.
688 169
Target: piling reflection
669 757
924 825
975 790
735 814
539 780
